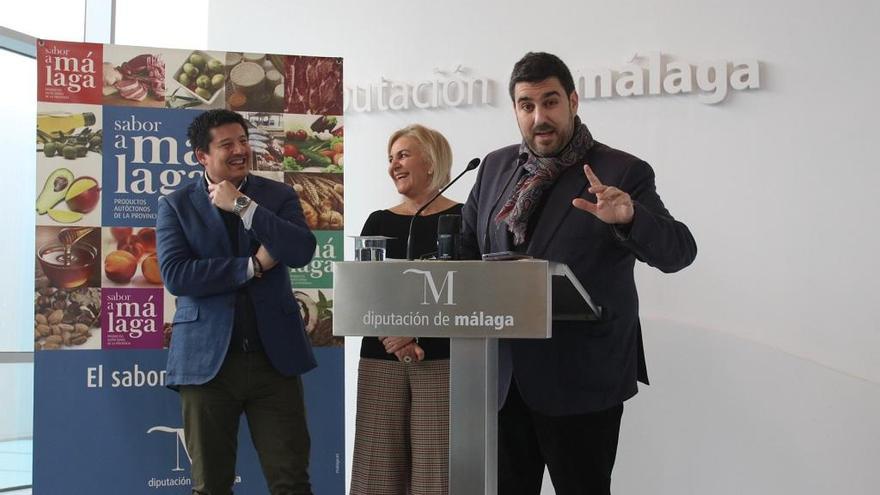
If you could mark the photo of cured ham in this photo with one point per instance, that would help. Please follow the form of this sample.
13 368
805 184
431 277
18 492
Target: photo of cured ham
136 80
313 85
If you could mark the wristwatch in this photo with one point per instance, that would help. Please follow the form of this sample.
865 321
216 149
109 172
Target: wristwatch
241 203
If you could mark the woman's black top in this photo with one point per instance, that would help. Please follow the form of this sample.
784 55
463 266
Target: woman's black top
387 223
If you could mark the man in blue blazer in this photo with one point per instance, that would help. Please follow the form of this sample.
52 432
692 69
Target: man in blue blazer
238 344
562 196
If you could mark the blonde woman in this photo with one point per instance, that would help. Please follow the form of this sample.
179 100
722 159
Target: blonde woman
401 444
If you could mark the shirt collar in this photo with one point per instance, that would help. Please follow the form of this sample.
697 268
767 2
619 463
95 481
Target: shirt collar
241 186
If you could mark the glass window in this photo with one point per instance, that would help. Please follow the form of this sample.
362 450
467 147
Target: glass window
17 129
18 109
16 424
48 19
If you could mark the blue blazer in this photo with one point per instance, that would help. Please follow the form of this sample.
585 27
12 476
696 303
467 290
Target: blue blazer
197 264
587 366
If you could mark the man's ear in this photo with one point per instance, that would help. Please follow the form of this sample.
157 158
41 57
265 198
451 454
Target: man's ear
201 156
573 101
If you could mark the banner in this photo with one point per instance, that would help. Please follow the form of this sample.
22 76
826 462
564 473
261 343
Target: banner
111 140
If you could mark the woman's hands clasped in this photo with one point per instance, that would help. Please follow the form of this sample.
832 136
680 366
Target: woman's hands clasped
406 349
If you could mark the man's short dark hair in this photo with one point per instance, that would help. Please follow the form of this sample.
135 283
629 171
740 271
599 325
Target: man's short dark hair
199 131
537 66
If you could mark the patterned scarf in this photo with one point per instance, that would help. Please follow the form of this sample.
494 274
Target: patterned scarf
542 173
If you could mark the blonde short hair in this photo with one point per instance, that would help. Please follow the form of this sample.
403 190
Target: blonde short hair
435 147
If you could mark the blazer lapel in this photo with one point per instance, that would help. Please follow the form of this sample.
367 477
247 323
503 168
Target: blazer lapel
569 185
216 229
500 237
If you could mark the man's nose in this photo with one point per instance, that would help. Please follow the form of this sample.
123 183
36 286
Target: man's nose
241 148
540 116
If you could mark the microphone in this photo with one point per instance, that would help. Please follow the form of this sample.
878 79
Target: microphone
449 237
470 166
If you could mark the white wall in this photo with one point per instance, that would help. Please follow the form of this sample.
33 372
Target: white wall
762 354
165 23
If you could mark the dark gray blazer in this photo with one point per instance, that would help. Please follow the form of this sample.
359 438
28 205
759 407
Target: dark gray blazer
585 366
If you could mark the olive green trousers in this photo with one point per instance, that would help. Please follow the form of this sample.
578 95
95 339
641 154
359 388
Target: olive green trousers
273 405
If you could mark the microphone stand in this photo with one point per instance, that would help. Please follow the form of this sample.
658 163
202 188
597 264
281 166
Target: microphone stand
409 247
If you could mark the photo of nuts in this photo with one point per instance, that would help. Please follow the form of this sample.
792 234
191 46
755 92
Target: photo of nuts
67 319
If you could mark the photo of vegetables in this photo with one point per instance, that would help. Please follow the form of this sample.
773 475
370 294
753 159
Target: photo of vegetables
321 197
255 82
198 80
296 143
313 144
133 76
316 308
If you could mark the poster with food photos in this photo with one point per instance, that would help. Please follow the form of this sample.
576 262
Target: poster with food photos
110 141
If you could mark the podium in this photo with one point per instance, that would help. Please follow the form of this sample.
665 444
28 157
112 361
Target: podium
473 303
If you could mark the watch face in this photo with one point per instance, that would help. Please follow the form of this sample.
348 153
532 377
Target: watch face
242 201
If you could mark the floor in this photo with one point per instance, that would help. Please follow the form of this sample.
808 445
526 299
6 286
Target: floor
16 465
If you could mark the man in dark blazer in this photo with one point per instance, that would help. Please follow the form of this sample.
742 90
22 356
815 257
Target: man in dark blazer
238 344
562 196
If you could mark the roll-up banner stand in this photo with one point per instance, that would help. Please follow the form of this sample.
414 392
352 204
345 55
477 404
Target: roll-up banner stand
110 140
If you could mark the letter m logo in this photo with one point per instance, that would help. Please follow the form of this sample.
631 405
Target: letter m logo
431 287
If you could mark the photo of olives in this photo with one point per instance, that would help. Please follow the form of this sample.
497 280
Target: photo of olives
129 256
198 80
67 133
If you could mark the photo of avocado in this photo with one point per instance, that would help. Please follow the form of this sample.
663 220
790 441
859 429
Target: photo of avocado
68 196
